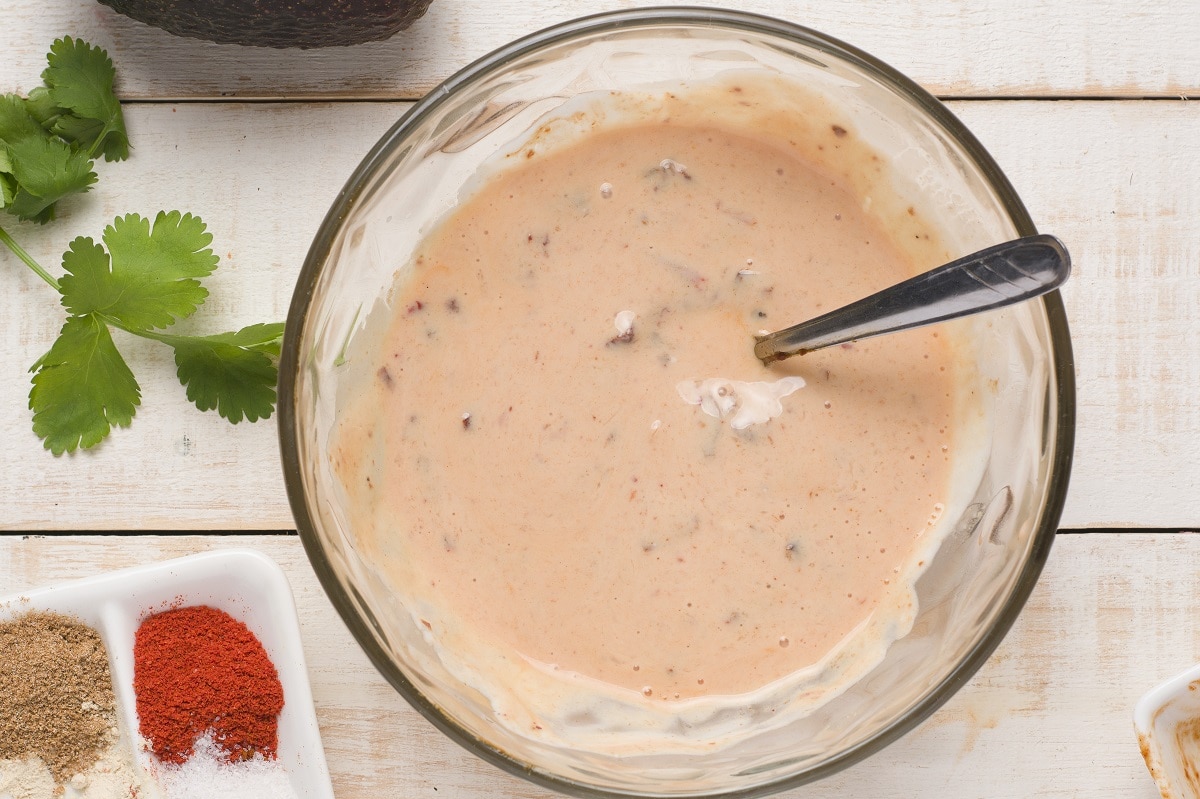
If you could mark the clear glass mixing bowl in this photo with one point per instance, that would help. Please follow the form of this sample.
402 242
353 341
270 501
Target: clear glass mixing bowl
971 591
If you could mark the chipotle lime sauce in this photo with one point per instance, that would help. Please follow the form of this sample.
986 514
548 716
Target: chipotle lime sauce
565 457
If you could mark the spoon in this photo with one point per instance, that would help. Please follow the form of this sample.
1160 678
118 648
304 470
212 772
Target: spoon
1007 273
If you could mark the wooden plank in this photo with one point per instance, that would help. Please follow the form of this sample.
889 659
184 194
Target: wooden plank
1113 179
1049 715
1116 183
262 178
1092 48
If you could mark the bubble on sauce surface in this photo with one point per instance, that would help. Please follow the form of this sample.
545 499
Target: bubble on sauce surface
671 166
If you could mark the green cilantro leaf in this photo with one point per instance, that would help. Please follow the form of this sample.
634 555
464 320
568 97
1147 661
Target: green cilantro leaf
16 121
8 186
235 373
142 277
41 107
42 169
81 388
266 337
80 79
45 170
49 137
152 278
79 131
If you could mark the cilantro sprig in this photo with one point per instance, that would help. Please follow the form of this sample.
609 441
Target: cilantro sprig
142 277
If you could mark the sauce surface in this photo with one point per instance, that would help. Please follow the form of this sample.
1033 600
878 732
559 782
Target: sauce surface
567 452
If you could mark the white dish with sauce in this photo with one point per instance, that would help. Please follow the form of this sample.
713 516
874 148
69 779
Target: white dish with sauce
245 584
1167 721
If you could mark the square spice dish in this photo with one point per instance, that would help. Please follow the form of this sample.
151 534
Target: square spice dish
228 612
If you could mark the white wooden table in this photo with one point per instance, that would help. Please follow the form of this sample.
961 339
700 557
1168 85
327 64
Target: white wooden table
1084 103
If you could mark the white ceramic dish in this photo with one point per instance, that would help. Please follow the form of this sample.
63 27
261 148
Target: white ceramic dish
1167 721
245 584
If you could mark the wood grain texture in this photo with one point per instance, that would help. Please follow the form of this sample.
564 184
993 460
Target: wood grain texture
1113 179
1048 716
1091 48
262 177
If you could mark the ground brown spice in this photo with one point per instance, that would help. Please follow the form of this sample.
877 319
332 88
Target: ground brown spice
56 694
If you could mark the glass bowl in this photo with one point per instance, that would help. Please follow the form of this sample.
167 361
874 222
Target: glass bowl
997 534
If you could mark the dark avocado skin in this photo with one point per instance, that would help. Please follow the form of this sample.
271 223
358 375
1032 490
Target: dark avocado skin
277 23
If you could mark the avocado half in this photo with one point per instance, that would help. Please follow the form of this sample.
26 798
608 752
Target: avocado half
276 23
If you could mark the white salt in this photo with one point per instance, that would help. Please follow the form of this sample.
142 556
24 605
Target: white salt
207 774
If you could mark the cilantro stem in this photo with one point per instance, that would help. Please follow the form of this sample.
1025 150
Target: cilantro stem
170 339
108 128
8 241
175 339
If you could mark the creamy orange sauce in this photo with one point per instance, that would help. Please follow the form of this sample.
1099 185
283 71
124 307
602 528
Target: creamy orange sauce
531 457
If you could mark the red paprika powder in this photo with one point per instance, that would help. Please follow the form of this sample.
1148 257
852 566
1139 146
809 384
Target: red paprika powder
197 669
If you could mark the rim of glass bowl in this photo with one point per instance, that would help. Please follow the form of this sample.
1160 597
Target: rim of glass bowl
289 366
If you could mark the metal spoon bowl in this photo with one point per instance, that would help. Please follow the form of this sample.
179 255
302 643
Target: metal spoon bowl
994 277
